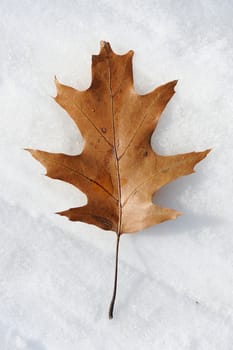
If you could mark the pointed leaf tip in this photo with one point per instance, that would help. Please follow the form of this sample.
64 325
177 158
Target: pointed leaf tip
58 87
105 47
56 81
30 150
175 82
172 84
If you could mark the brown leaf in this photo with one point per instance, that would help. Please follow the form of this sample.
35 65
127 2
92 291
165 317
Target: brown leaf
117 170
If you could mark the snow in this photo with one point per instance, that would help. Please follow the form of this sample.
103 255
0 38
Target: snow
56 277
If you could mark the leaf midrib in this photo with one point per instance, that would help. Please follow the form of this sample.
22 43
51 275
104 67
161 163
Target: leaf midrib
115 149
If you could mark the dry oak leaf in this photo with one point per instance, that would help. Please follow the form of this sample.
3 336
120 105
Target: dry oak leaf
117 169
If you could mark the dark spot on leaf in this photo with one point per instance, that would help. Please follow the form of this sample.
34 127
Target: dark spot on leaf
96 83
103 221
103 130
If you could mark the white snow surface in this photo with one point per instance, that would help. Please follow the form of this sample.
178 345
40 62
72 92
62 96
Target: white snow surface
175 287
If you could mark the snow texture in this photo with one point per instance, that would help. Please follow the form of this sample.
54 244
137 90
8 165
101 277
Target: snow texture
56 277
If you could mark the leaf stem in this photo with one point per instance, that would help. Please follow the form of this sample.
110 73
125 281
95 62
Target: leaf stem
111 307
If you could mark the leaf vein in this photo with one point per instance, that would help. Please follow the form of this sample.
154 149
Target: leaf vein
136 130
76 172
93 124
156 173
